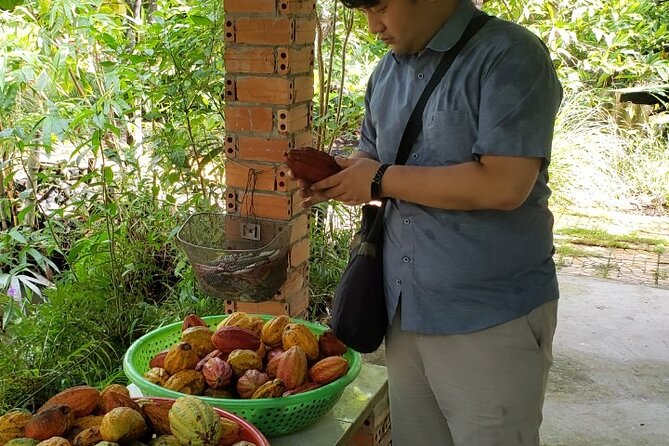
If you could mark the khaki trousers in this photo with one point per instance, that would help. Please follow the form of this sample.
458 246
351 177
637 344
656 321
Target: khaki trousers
477 389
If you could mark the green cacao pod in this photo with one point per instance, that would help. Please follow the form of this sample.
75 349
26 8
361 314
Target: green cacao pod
193 422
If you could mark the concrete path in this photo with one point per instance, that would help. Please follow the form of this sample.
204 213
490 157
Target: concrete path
609 385
610 380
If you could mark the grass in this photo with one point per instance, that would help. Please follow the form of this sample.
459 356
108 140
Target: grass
598 237
601 163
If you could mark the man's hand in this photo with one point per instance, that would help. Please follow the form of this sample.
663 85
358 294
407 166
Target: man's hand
343 186
351 186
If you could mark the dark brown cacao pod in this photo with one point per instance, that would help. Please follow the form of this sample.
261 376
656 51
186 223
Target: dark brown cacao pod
311 165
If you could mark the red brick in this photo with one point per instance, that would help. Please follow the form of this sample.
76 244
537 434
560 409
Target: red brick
304 88
305 139
297 6
229 30
299 252
291 120
231 200
242 59
295 60
305 30
265 90
230 146
299 302
295 281
299 227
230 88
262 149
242 174
249 6
268 307
278 206
266 31
248 119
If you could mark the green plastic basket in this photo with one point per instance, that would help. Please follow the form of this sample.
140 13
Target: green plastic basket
273 416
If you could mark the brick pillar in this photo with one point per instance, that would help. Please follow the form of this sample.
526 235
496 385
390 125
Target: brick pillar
269 60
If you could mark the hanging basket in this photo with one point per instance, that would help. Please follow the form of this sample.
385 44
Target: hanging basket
236 258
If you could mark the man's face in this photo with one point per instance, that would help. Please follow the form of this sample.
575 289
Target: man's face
401 24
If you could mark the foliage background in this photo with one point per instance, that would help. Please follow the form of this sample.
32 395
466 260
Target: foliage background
111 128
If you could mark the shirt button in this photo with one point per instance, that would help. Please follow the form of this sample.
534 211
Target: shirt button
398 281
406 259
407 221
421 75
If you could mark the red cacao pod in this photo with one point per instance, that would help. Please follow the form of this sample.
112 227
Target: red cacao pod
192 320
249 382
217 373
330 345
227 339
311 165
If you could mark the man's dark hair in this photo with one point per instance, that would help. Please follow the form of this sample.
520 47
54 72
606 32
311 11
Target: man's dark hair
360 3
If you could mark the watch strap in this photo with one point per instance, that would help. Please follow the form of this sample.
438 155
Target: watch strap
376 182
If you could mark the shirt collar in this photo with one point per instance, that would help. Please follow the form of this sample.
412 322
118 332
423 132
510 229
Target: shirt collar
450 32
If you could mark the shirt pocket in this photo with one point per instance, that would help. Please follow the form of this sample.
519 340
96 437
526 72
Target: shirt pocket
449 136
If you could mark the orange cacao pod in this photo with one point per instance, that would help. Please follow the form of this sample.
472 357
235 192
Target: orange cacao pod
311 165
300 335
190 382
55 441
122 425
181 357
272 330
292 367
81 399
157 376
112 400
12 425
199 338
273 365
328 369
156 413
53 421
241 360
271 389
233 319
307 386
88 437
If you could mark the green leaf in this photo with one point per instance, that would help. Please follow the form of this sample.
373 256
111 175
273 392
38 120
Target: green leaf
108 174
200 20
16 235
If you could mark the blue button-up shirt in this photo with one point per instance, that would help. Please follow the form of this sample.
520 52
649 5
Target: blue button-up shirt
461 271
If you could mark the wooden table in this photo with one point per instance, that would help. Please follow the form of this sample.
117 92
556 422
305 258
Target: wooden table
339 425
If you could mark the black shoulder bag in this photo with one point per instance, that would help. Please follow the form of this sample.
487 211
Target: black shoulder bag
359 316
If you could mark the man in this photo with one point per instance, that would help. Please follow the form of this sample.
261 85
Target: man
471 289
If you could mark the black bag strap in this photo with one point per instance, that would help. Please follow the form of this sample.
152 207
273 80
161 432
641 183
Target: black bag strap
415 123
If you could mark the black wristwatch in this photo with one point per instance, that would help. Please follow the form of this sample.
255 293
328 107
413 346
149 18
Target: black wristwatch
376 182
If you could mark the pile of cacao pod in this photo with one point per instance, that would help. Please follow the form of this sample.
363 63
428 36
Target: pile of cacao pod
248 357
84 416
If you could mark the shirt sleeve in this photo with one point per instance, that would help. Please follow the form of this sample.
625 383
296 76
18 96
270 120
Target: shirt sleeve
520 97
367 142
